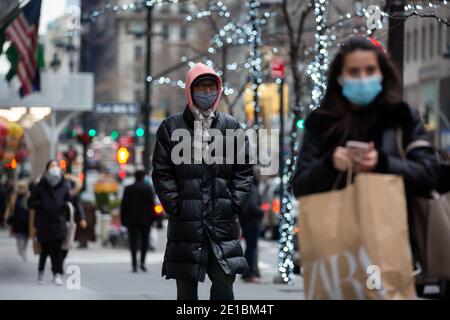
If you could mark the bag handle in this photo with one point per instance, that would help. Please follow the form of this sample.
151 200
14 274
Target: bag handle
339 177
71 211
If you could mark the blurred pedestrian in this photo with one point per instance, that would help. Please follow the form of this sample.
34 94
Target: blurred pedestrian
137 214
84 235
49 200
17 216
74 184
363 102
202 199
6 190
251 225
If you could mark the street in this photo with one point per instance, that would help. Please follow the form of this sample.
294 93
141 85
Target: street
106 275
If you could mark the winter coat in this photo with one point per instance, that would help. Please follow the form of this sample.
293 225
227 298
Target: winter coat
379 123
50 207
203 201
137 206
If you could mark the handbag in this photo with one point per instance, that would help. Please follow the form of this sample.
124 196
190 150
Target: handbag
431 230
37 248
71 228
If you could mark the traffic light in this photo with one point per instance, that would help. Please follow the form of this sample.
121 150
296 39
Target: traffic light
122 155
13 164
139 132
92 132
115 134
300 123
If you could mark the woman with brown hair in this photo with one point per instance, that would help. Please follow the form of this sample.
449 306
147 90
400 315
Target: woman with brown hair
363 104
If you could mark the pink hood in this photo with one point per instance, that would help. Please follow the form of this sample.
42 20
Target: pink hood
199 70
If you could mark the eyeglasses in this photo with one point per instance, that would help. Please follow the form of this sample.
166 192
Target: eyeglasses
205 86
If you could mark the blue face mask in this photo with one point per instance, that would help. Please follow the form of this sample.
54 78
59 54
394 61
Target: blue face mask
362 92
204 100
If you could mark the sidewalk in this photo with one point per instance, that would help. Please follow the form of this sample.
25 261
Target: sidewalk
106 274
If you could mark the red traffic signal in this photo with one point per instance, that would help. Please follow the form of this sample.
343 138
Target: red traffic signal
84 138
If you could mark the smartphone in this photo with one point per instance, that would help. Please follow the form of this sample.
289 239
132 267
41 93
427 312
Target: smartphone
358 145
357 148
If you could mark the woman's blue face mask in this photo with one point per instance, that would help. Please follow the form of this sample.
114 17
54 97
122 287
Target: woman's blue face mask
361 91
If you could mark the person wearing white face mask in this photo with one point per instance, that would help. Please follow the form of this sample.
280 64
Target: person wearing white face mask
49 198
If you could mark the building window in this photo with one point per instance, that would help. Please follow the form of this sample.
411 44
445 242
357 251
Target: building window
138 75
138 96
408 46
183 8
424 42
165 31
165 9
415 44
183 32
138 53
431 40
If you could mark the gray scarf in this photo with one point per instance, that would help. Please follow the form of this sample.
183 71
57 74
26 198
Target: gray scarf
201 132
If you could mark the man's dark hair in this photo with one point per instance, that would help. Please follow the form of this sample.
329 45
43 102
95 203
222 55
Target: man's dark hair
139 175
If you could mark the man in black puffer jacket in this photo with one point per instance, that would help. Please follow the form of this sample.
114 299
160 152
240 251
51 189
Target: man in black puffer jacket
203 201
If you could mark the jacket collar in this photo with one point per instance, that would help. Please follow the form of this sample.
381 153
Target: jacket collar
189 117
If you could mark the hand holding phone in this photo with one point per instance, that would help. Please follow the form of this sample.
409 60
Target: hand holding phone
357 149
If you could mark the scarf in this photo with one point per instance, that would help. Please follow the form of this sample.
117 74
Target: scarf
203 121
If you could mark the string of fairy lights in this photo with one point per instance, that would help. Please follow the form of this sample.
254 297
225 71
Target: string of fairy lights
232 33
249 34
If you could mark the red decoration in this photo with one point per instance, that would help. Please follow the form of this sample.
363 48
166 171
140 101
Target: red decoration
277 67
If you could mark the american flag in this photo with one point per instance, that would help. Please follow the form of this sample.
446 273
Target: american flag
23 33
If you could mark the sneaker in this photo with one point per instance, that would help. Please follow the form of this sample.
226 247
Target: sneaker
57 280
41 278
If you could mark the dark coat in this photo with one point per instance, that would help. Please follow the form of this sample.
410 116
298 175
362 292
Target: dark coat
315 171
137 207
203 203
88 234
18 213
50 206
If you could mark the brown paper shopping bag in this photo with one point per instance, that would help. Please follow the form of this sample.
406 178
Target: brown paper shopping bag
355 243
